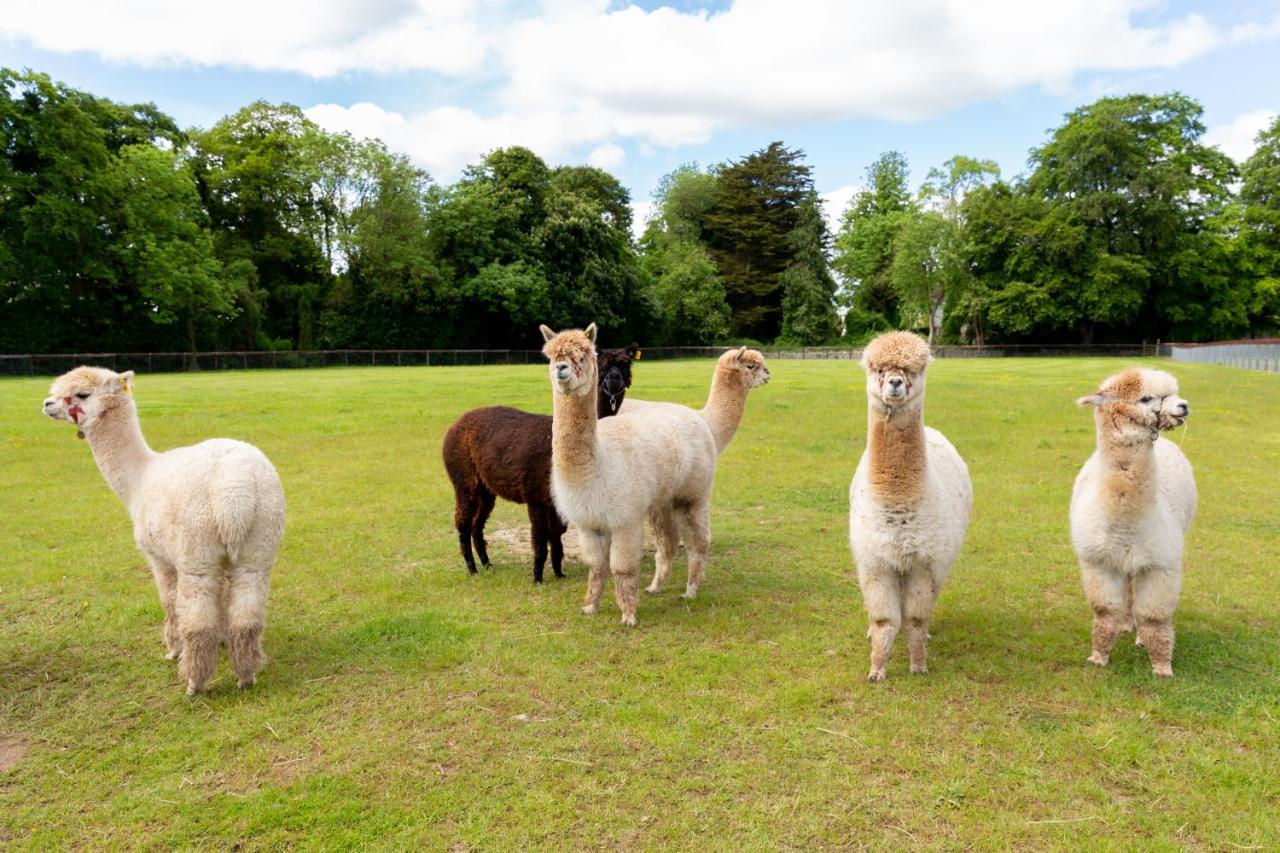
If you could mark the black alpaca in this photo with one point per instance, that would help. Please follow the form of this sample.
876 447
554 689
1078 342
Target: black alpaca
502 452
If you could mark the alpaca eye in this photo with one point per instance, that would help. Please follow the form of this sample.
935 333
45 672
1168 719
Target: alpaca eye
83 395
1146 399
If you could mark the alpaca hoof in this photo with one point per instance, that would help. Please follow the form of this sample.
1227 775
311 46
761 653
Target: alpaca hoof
173 654
629 620
537 580
1097 659
245 684
1137 641
689 594
192 689
589 610
1162 671
919 670
875 675
652 590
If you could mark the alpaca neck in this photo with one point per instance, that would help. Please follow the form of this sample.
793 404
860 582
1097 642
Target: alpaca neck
1129 474
725 406
573 436
896 451
119 449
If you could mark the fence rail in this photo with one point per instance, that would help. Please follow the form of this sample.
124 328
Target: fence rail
162 362
1262 354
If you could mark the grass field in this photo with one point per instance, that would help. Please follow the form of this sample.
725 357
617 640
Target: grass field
407 704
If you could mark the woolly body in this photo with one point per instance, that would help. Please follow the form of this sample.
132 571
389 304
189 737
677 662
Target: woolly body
208 517
1131 506
608 475
909 502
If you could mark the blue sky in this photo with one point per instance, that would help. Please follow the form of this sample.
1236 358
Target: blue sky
641 88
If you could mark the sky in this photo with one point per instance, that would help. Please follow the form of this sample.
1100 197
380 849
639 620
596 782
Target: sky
641 88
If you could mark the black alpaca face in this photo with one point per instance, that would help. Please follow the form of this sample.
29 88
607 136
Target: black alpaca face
615 373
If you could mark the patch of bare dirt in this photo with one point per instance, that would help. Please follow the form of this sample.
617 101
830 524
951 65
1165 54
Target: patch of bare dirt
12 750
516 540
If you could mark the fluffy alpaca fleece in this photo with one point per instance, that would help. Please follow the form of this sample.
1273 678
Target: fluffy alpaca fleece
608 475
498 451
737 372
909 502
209 519
1130 509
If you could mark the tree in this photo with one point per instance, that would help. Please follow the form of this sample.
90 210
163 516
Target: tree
864 243
747 232
1259 230
808 290
928 266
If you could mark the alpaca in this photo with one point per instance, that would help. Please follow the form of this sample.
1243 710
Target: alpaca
498 451
737 372
607 475
209 519
1130 509
909 502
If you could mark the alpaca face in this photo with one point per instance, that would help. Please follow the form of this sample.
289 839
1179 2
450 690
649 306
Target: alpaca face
82 396
614 368
1138 401
749 364
572 357
895 363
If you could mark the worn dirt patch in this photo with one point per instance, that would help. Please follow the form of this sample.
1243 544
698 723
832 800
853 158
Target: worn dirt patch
12 750
516 540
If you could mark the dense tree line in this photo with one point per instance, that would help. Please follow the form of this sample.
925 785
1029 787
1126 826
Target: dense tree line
121 231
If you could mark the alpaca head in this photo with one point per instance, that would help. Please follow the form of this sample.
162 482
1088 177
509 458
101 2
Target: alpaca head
1137 402
895 363
746 365
614 369
86 395
572 354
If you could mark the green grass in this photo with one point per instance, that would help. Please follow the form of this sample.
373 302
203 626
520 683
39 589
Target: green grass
407 704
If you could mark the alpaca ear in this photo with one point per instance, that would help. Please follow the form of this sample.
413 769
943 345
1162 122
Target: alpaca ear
123 380
633 350
1093 399
741 352
547 334
590 332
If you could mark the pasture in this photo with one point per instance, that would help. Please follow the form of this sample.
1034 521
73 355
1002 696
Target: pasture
407 704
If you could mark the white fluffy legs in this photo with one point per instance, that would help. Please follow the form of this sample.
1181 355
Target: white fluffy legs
1155 596
667 538
694 524
198 611
246 619
595 553
167 585
1107 592
624 562
881 592
920 592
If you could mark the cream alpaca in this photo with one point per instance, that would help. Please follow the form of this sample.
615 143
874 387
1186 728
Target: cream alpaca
607 475
737 372
208 517
1130 509
909 502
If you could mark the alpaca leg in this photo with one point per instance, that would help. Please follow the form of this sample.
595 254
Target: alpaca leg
1155 597
1128 606
555 530
167 586
464 510
694 524
246 619
198 606
539 536
882 595
1105 590
919 595
624 561
595 551
487 500
667 538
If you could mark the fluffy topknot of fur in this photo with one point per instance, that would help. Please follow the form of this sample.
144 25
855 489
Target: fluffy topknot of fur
83 378
570 345
1129 385
902 350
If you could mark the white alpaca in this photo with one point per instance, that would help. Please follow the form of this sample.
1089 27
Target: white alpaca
909 502
208 517
737 372
607 475
1130 509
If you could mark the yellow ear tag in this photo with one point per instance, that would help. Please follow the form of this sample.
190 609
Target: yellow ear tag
128 389
639 353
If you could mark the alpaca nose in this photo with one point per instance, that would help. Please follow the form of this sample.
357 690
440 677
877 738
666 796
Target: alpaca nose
895 383
562 371
1182 409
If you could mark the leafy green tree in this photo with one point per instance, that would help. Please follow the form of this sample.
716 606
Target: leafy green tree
928 267
747 232
1259 230
944 191
808 289
864 243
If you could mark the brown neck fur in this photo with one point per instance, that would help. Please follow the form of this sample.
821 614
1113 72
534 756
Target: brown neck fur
573 434
1128 482
726 404
895 445
119 448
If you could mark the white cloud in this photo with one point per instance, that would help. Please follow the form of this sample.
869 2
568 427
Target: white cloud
1236 139
641 213
834 203
607 156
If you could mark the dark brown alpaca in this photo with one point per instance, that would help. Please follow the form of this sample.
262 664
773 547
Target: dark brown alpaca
503 452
